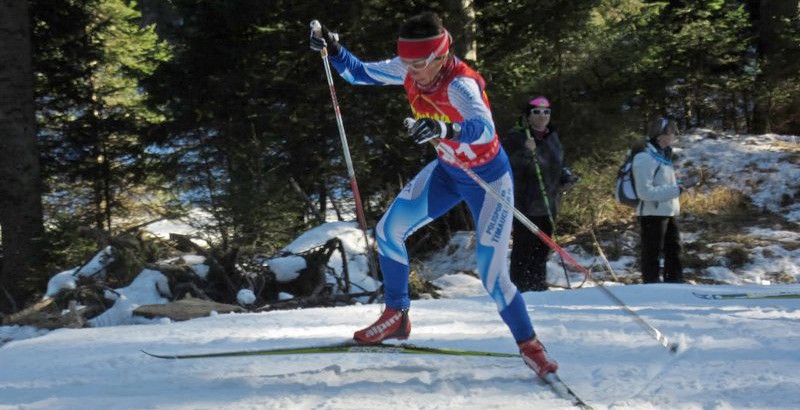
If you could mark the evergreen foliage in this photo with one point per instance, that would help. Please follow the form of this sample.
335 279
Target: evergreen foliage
89 59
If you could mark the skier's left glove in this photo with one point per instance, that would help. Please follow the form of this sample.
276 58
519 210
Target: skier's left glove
426 129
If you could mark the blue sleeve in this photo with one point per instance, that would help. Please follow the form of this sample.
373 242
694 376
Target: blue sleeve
466 96
354 71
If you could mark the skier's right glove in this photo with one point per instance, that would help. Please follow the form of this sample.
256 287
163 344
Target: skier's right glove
325 39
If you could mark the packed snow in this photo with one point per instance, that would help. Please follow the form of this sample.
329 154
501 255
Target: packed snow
735 353
738 354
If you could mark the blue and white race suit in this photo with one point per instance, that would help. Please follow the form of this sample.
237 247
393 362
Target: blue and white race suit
459 97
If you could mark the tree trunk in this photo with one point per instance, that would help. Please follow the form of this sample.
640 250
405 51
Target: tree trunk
761 100
461 24
777 58
20 179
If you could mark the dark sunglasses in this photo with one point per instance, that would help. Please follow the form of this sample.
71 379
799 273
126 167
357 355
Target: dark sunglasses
537 111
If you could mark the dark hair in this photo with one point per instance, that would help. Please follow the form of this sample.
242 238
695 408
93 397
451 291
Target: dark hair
661 126
427 24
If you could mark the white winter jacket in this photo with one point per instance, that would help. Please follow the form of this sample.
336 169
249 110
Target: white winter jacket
656 184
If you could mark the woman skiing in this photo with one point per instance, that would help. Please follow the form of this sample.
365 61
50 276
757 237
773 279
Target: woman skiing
449 103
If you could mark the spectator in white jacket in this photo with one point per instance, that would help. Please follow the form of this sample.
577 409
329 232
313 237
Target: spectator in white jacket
659 189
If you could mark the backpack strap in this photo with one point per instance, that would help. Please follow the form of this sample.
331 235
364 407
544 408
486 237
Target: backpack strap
658 168
641 203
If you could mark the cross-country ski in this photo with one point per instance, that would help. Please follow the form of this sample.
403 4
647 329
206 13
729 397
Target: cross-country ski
749 295
344 347
552 380
561 388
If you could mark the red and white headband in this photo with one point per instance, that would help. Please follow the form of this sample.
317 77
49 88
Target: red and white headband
427 48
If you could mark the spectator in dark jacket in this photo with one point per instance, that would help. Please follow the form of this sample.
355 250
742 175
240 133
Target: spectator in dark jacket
540 177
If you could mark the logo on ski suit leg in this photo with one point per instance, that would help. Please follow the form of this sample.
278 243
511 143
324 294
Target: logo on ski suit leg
497 222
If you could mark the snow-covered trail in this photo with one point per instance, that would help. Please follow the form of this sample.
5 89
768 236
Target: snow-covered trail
740 354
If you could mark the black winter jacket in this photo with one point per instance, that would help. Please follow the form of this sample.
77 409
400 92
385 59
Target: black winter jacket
550 158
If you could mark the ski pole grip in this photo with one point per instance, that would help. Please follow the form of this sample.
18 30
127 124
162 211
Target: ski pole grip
316 29
409 123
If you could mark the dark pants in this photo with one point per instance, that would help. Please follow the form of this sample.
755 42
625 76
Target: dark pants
529 255
660 234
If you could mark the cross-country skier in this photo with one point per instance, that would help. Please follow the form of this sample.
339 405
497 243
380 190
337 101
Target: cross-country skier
449 102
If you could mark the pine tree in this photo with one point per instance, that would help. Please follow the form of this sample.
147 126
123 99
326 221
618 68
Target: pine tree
91 58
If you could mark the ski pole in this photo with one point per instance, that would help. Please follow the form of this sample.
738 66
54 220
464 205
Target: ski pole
602 254
317 28
660 337
546 200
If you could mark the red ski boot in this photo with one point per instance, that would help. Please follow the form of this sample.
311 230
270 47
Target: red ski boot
393 324
535 357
